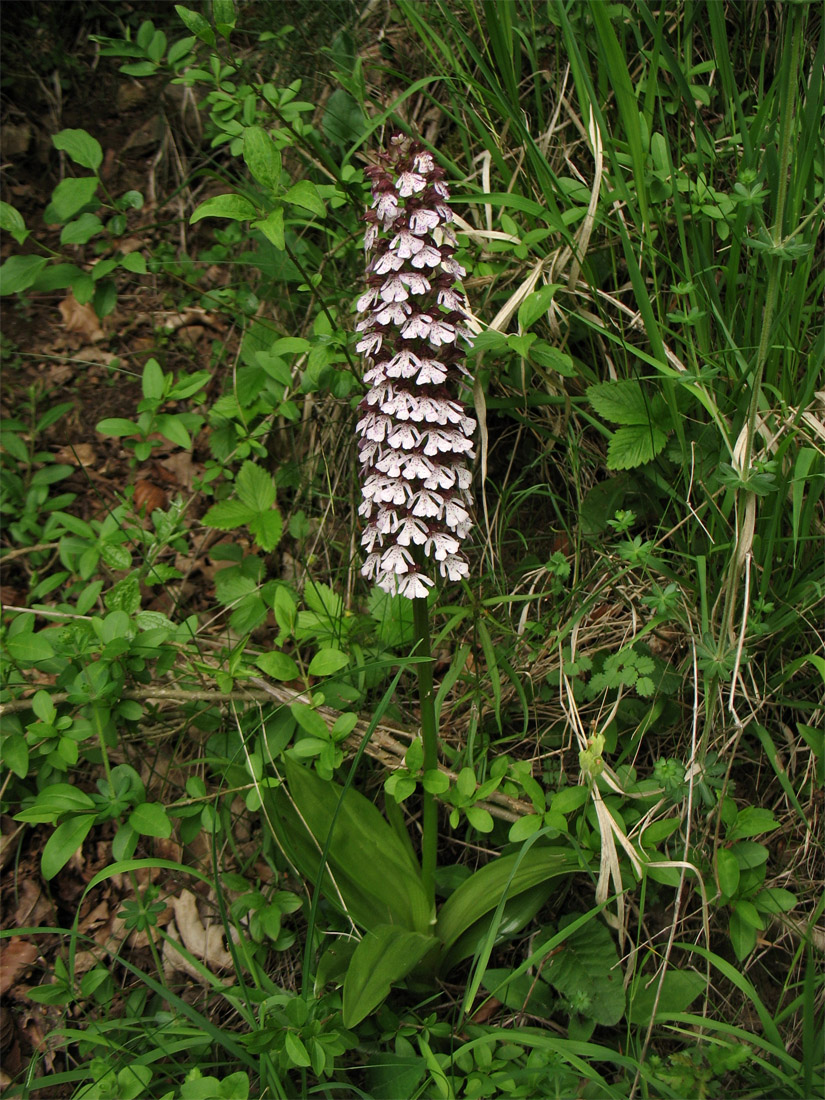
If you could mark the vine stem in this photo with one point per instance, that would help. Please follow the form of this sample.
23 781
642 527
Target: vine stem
429 739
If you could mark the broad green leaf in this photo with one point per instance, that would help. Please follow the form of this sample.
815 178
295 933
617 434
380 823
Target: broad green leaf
116 555
523 828
15 753
552 359
369 865
480 818
134 262
536 304
173 428
623 402
310 720
63 843
727 868
150 819
116 425
195 22
19 272
272 227
749 854
386 955
81 230
295 1050
305 194
280 666
29 649
680 989
752 821
223 12
478 896
262 157
234 207
634 446
326 662
227 515
152 380
587 973
69 198
43 706
81 147
742 936
11 221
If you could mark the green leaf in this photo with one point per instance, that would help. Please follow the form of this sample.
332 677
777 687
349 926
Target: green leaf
116 555
385 956
480 818
478 896
19 272
134 262
195 22
81 230
150 819
634 446
29 649
262 157
223 12
305 195
326 662
234 207
536 304
272 228
81 147
588 971
227 515
622 402
310 720
267 527
255 487
11 221
173 428
295 1050
152 382
63 843
277 665
16 754
367 861
752 821
523 828
742 936
679 990
727 868
69 198
116 425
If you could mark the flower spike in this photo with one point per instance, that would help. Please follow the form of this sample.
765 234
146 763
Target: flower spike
415 437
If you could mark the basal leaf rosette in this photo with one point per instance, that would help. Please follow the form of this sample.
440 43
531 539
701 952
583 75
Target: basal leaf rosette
415 437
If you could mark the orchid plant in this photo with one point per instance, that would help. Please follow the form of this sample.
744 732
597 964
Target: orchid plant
415 436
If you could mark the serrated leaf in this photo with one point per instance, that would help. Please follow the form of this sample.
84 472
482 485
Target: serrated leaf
227 515
623 402
326 662
81 147
280 666
255 487
235 207
305 194
262 157
634 446
267 527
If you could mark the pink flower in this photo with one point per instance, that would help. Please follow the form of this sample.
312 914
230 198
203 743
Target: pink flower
415 439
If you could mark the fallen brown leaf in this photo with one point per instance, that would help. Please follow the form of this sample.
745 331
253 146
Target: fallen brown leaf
80 318
16 956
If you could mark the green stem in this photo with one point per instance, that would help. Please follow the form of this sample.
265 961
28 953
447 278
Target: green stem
429 738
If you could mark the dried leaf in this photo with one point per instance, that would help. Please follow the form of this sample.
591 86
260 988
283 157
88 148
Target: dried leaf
16 956
80 318
147 497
